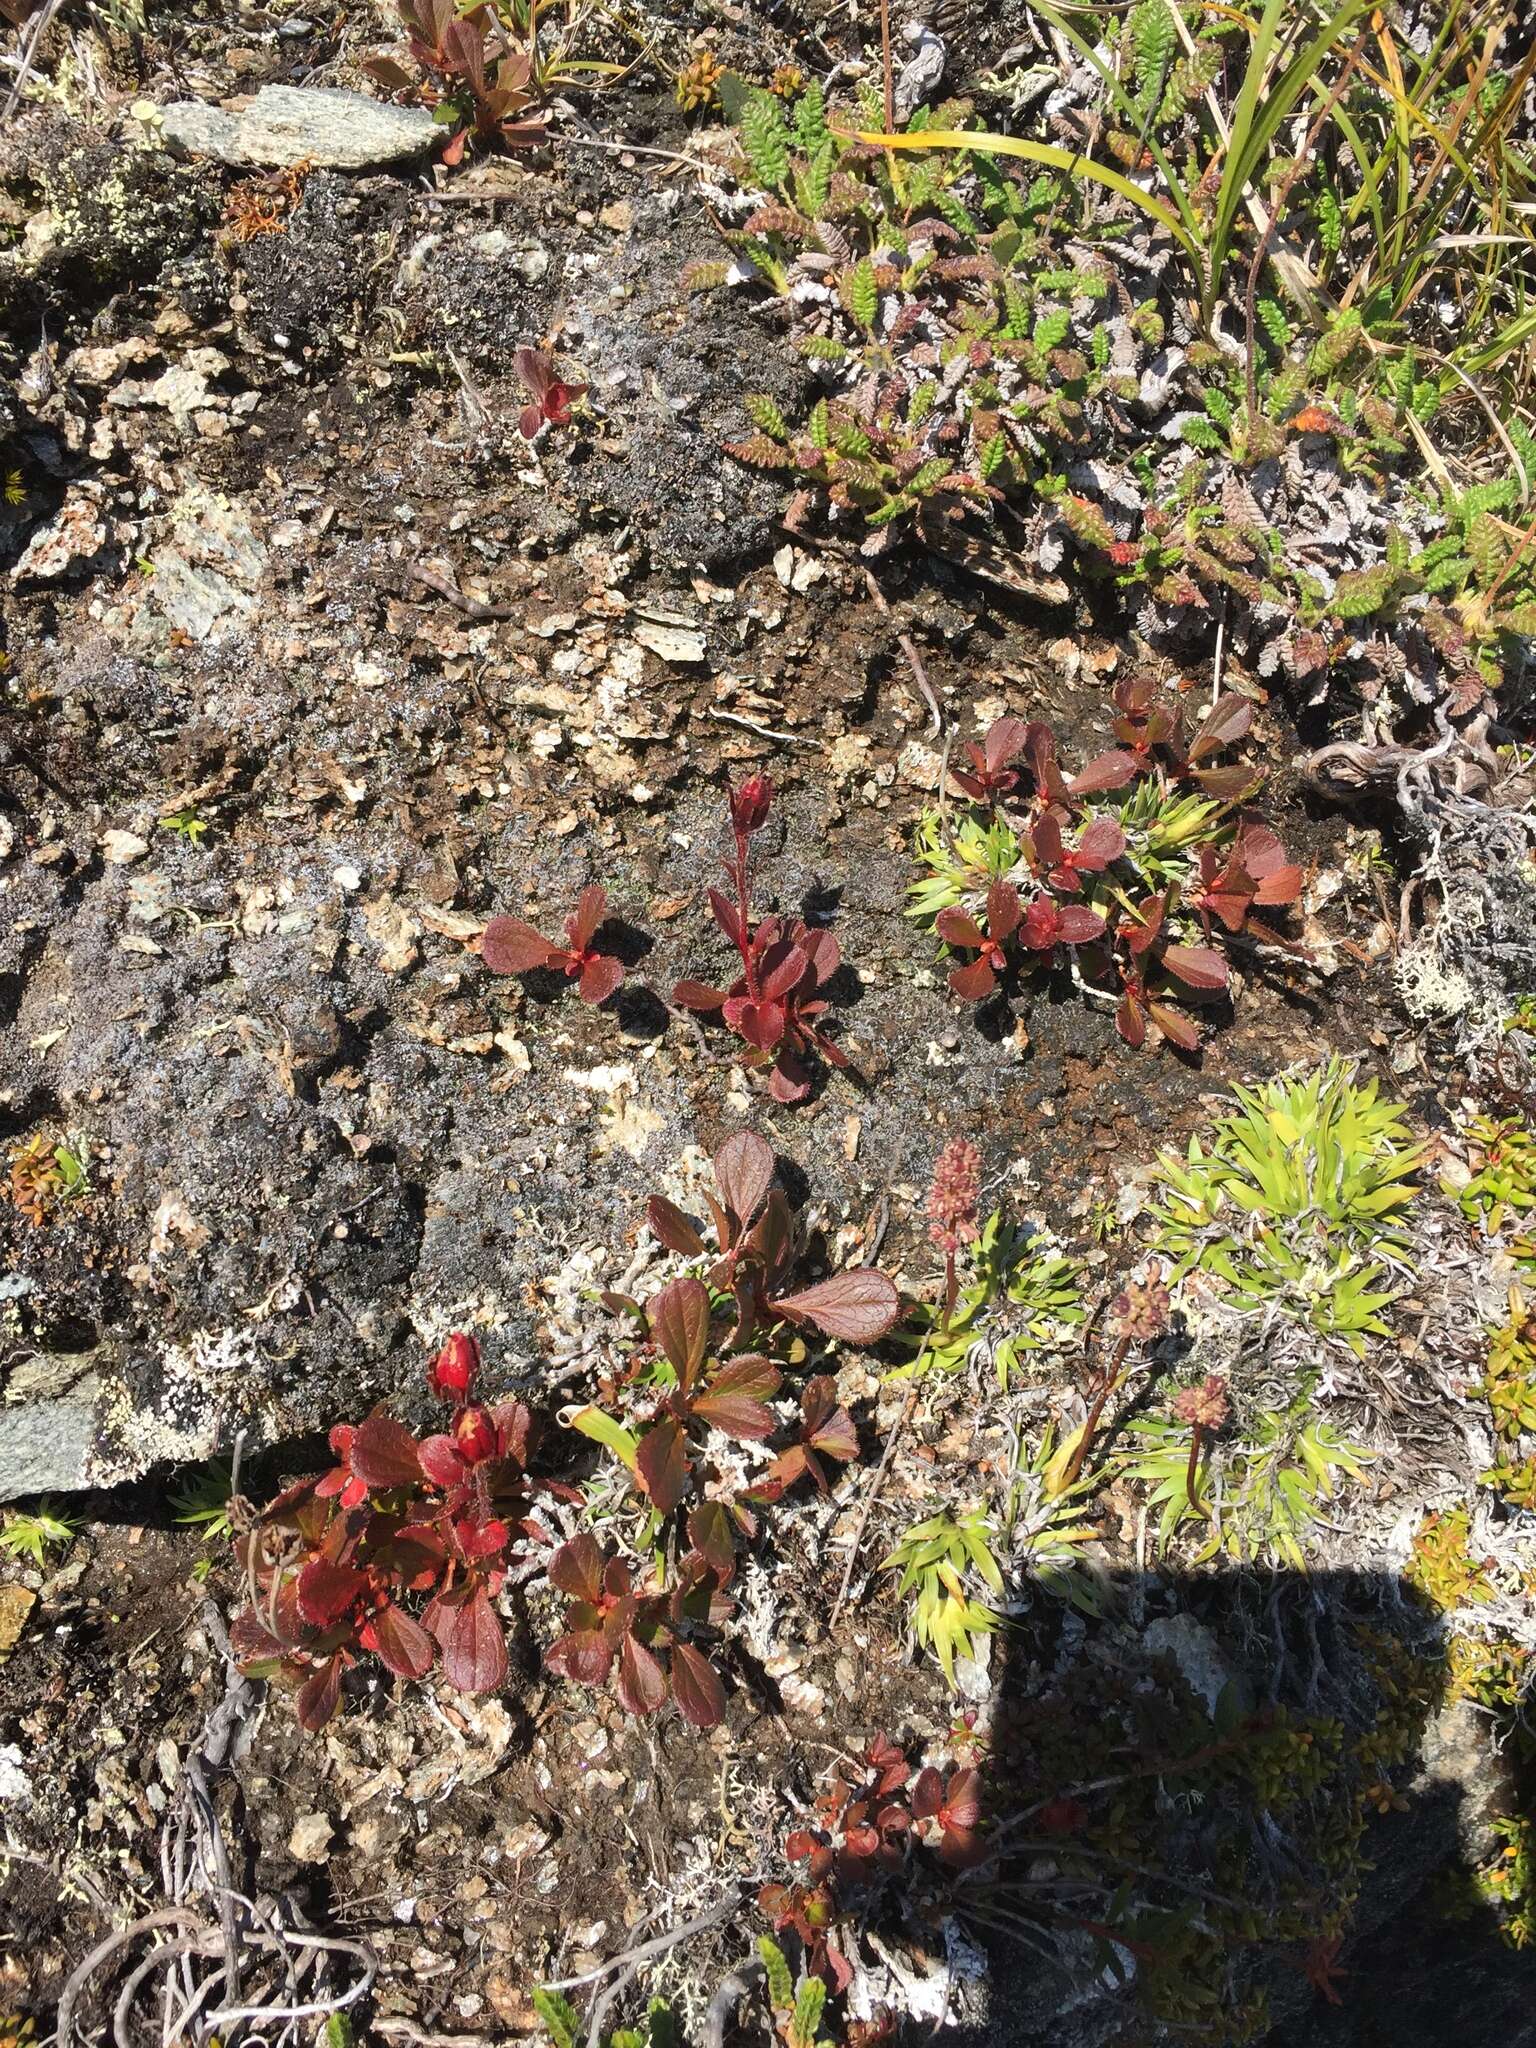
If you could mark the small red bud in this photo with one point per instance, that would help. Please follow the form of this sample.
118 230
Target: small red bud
474 1435
749 804
452 1373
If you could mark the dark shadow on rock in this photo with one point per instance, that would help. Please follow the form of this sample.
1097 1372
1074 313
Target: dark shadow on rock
640 1011
1248 1803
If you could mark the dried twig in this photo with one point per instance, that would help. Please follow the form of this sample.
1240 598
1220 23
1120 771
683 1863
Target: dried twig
909 648
656 1946
872 1496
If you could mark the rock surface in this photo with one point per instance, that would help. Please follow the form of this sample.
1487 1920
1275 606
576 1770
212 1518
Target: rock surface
288 124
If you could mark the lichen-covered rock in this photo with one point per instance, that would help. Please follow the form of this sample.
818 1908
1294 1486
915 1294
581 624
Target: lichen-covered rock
287 124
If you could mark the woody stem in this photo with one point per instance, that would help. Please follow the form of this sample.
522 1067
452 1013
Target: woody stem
1113 1377
738 869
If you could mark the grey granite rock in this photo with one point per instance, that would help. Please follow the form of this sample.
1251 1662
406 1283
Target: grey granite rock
288 124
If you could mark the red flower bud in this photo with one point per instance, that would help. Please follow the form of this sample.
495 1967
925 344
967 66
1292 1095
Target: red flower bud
474 1435
452 1373
749 804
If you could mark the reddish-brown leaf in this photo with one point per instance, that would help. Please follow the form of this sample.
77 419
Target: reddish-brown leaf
327 1591
512 946
858 1306
599 978
319 1695
473 1646
584 1655
1105 771
586 917
642 1683
670 1227
744 1174
1195 966
679 1320
662 1462
576 1569
711 1534
384 1453
695 1688
698 995
973 983
402 1643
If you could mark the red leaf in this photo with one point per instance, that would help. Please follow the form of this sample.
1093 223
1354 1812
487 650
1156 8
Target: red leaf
1179 1030
586 918
1226 721
858 1306
1283 885
962 1806
441 1462
670 1227
511 946
728 917
402 1643
599 978
1003 911
972 983
1004 741
384 1453
760 1024
679 1320
710 1533
751 1374
956 929
823 952
785 971
1130 1023
736 1415
744 1174
736 1398
642 1683
927 1794
1105 771
584 1656
576 1569
698 995
327 1591
1195 966
1103 842
827 1427
662 1462
1140 936
790 1080
320 1695
1077 925
695 1688
469 1635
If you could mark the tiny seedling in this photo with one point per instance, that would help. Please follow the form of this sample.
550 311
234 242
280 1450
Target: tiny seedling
32 1532
510 945
775 1004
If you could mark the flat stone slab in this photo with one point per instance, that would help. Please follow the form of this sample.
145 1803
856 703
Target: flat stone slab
289 124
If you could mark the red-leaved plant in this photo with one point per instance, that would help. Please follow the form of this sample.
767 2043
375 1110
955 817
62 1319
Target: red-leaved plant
398 1551
510 945
550 399
485 81
612 1627
774 1005
714 1336
1119 902
866 1829
756 1250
